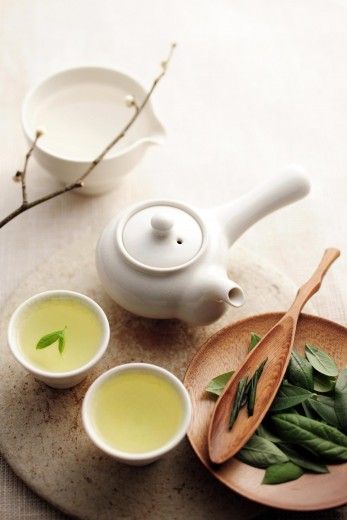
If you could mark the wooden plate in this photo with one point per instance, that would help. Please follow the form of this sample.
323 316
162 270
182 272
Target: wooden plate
224 351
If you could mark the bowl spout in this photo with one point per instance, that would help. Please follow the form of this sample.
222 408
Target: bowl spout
157 133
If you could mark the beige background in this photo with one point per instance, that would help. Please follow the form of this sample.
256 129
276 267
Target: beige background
253 85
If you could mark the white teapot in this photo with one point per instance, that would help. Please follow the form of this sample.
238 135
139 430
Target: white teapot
165 259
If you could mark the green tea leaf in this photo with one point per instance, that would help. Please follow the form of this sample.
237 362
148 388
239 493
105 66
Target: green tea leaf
264 432
260 452
52 337
321 361
322 383
254 341
61 343
303 460
324 406
252 390
288 396
293 410
283 472
240 392
49 339
217 384
307 411
300 372
341 399
251 395
321 439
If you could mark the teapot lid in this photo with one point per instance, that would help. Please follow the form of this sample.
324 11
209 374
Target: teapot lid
161 235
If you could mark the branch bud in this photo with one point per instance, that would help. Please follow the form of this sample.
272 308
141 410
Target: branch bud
39 132
17 176
130 101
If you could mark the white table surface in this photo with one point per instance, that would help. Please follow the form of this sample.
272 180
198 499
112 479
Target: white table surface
254 85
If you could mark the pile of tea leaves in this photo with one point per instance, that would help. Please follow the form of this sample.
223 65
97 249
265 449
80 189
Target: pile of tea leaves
305 428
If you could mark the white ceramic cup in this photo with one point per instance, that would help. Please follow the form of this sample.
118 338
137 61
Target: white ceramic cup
136 459
58 379
69 94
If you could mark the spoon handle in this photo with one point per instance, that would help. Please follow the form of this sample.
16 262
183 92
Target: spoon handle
313 284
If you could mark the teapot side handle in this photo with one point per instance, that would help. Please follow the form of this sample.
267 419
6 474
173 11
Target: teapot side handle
290 185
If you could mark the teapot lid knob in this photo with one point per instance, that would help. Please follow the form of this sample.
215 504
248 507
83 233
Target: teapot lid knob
161 235
161 223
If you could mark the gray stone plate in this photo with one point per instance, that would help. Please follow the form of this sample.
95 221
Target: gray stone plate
41 434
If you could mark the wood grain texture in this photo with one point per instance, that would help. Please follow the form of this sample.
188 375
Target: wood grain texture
227 350
275 347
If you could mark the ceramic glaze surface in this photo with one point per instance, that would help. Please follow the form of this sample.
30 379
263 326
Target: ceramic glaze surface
162 236
137 411
86 336
80 111
79 120
82 331
165 259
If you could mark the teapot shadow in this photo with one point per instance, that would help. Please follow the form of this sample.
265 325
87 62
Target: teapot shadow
134 338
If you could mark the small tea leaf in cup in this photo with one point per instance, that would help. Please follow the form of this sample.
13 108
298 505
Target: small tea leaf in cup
61 343
52 337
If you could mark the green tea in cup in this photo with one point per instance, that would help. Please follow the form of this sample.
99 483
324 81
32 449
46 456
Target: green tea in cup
136 412
58 336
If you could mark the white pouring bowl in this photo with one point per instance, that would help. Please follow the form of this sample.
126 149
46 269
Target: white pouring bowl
80 110
58 379
136 459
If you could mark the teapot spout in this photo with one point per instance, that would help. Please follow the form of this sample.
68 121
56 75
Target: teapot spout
219 287
229 292
288 186
206 296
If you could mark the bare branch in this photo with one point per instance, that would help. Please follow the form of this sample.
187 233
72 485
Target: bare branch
78 183
25 167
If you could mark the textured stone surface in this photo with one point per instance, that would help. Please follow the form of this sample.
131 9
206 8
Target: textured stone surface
42 435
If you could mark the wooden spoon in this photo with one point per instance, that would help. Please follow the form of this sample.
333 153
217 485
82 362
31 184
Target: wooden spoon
276 346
